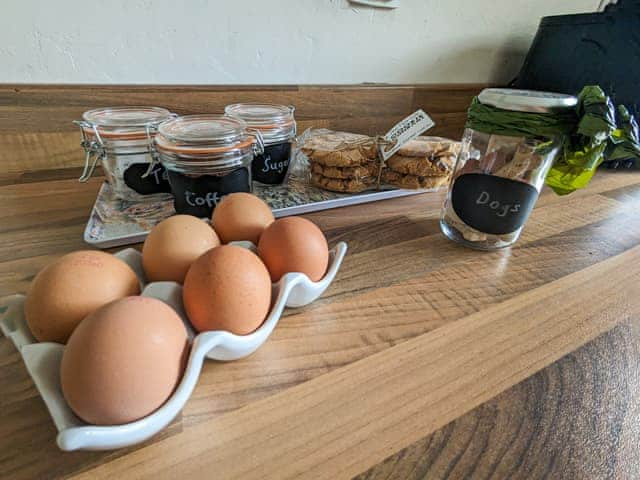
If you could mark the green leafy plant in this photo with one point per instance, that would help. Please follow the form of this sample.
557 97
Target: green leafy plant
589 135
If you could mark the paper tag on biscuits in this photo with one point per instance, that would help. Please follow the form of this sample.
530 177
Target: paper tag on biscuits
405 130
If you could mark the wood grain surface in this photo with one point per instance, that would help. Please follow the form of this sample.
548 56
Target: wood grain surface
39 141
576 419
346 420
424 359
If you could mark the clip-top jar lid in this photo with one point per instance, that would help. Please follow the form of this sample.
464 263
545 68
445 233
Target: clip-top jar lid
526 100
126 123
262 116
126 116
203 134
275 123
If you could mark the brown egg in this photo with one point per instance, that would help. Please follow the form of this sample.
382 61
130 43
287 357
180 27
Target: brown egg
241 216
228 288
124 361
69 289
294 244
173 245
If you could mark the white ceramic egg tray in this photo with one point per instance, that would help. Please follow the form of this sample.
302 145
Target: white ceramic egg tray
42 359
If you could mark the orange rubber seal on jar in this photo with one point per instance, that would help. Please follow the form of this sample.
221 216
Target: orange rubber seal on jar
273 126
133 135
203 150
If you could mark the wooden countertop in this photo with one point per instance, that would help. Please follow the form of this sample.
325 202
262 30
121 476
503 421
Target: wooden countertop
424 359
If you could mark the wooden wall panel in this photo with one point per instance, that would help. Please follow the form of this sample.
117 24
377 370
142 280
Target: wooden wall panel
37 135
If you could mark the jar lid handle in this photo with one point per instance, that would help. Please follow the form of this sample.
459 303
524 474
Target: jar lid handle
153 153
93 149
258 148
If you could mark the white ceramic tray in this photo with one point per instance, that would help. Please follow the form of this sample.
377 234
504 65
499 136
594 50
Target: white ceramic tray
114 222
43 359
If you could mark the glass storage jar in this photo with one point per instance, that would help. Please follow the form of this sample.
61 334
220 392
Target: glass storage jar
206 158
119 138
497 178
277 126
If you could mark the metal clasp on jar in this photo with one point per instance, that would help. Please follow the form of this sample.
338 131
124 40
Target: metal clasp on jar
93 149
258 146
151 130
295 124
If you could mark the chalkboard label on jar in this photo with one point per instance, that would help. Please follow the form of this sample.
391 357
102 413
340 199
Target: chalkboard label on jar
271 167
492 204
198 195
155 182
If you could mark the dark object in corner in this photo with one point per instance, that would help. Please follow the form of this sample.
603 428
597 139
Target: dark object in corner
570 51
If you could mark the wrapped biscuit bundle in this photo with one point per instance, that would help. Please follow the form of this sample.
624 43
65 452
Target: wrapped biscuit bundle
422 163
352 163
341 161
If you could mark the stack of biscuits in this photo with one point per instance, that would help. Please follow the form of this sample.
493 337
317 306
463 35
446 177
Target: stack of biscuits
342 162
348 162
425 162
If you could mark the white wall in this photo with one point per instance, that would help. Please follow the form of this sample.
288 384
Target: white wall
268 41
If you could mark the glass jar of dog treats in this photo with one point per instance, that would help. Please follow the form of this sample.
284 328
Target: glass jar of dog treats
206 158
277 126
501 167
119 139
